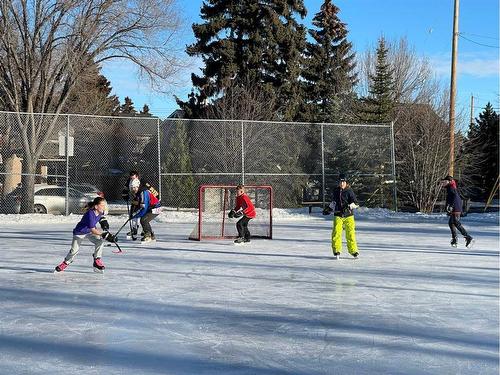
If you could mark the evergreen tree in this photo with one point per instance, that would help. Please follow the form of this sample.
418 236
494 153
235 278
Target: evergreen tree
483 143
145 111
380 103
127 108
181 189
92 95
329 67
248 41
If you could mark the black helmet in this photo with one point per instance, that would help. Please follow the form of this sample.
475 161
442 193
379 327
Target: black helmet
342 177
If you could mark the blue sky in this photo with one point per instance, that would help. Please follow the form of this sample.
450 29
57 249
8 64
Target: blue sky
427 24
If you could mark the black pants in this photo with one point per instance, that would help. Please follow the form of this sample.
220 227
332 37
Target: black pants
454 222
145 220
242 226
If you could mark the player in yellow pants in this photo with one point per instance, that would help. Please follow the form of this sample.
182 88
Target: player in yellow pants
349 225
343 203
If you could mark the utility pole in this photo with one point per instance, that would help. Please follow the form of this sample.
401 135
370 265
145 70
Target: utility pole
453 90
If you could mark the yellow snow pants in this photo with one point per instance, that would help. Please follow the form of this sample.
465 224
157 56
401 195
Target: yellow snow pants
349 225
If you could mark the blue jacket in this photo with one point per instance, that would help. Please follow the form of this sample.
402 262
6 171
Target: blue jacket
145 202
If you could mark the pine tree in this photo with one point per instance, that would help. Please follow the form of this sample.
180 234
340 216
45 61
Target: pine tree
127 108
145 111
483 143
380 103
92 95
248 41
178 160
329 67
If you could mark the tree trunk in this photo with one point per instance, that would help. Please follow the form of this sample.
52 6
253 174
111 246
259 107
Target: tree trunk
28 185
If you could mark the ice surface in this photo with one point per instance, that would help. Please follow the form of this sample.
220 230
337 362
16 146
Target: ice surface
410 305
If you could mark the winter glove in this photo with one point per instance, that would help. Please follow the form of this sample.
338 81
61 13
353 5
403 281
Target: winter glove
104 223
238 214
109 237
231 214
346 210
327 211
449 209
353 205
125 194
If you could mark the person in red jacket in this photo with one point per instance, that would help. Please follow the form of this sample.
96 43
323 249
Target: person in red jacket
245 209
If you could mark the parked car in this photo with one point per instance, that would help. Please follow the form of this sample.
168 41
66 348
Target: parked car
48 199
89 190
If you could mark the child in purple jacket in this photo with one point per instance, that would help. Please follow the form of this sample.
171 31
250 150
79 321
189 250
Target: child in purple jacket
86 229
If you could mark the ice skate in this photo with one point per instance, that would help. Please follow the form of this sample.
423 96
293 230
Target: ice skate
336 255
355 255
246 240
98 265
453 242
132 235
469 242
61 267
148 237
239 241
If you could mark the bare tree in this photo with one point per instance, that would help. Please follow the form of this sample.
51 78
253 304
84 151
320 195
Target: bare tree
422 155
46 45
420 127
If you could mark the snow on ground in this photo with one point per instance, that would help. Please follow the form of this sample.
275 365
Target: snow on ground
410 305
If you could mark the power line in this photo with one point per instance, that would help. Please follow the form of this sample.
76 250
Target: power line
479 36
473 41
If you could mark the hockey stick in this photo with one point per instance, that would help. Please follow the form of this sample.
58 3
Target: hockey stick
132 235
119 251
123 226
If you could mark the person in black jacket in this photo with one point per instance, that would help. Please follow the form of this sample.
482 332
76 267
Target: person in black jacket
454 210
343 203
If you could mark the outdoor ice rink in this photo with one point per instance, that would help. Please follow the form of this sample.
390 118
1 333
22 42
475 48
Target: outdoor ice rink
410 305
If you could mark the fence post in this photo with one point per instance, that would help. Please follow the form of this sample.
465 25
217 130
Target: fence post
393 157
66 147
159 156
242 155
323 165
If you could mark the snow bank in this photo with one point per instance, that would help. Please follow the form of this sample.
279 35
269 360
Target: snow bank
279 214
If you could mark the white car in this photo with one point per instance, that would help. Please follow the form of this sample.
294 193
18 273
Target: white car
48 199
89 190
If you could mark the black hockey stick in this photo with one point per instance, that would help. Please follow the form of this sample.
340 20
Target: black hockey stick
132 235
117 251
123 226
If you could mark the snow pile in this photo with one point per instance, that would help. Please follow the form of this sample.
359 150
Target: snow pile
279 214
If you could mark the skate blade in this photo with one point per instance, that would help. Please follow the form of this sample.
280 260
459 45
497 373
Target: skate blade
471 244
97 270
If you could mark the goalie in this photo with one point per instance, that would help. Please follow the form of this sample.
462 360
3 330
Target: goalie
245 209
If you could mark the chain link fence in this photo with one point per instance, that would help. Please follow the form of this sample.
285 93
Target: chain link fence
301 161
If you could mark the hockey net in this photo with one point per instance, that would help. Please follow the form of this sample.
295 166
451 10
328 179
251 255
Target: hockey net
214 204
